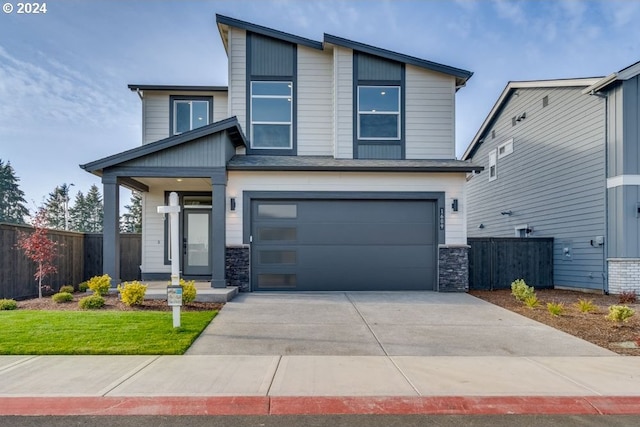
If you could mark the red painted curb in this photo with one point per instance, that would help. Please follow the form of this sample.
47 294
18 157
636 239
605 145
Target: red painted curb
241 405
263 405
447 405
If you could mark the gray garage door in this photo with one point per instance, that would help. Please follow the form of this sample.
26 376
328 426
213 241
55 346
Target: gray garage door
343 245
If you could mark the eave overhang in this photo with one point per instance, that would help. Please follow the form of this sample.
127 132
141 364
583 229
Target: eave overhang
330 164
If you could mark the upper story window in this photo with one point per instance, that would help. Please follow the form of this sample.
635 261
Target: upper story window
271 115
379 112
188 113
493 166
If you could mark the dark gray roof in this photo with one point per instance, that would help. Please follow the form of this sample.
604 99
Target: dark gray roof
321 163
461 74
231 125
179 88
269 32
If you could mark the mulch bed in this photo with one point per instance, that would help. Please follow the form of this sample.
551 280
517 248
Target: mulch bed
112 302
592 327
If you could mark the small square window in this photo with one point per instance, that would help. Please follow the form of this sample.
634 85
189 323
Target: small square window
189 113
505 149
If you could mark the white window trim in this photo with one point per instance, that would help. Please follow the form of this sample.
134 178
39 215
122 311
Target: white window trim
493 162
521 227
290 122
391 113
190 102
508 148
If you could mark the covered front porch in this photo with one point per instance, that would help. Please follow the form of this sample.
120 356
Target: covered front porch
192 164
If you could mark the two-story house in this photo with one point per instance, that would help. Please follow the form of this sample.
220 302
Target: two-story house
562 160
322 166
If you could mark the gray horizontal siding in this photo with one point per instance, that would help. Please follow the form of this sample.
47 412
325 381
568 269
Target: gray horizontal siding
554 181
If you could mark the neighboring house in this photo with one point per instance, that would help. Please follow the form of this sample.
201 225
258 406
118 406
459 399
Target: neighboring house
324 166
556 164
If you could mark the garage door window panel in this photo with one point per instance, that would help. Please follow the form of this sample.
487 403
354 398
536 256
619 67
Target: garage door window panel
276 256
278 234
277 211
277 280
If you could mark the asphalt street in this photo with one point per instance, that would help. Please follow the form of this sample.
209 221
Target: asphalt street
330 421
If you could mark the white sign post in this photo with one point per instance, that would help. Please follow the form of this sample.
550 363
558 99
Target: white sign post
174 290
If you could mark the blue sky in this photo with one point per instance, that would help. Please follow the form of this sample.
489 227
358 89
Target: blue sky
64 74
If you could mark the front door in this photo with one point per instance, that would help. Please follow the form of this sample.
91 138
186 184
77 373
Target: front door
196 246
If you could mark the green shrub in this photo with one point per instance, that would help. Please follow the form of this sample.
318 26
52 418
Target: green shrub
82 287
532 301
521 291
188 291
586 306
8 304
620 313
61 297
100 284
132 293
91 302
555 308
67 288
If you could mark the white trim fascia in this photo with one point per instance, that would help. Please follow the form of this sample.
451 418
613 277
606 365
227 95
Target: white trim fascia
623 180
600 84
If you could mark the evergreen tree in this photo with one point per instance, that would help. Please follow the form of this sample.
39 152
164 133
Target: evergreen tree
131 221
78 218
94 210
12 203
56 208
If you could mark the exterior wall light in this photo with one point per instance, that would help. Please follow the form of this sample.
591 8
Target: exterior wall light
232 204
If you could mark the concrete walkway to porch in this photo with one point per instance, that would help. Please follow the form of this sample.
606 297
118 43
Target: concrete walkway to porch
158 290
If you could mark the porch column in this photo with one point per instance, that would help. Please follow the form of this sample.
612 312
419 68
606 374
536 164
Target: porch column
218 229
111 229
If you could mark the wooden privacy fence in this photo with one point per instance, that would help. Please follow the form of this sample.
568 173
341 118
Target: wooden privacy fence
79 258
495 262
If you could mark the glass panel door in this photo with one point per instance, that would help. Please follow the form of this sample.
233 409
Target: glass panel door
197 242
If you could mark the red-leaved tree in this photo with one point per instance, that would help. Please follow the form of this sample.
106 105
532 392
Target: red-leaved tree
39 249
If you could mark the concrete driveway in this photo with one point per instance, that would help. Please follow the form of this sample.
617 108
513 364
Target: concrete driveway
380 324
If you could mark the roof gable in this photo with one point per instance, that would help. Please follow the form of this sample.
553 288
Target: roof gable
166 148
504 97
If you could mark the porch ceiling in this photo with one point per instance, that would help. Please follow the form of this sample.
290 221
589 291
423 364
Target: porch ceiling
177 184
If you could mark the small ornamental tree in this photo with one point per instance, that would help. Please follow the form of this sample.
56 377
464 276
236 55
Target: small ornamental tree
39 249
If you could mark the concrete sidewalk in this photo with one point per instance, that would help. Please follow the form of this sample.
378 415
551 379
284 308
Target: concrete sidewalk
258 385
340 353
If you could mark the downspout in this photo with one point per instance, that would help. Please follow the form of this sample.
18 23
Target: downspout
605 249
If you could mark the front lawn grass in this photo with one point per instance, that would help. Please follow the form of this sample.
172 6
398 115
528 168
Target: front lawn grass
39 332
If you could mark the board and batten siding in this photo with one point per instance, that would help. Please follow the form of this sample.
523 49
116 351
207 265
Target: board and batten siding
315 102
238 76
624 160
553 182
155 112
153 233
343 99
452 184
429 114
